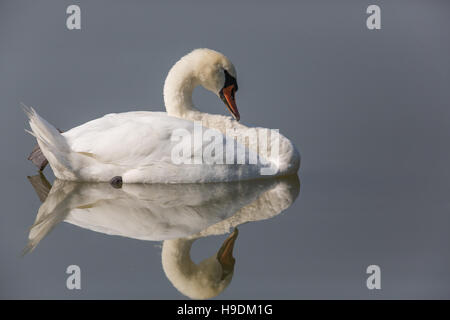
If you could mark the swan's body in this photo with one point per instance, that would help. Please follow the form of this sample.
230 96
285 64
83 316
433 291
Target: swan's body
137 146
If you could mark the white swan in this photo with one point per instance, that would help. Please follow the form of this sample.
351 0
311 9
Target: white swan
176 214
137 146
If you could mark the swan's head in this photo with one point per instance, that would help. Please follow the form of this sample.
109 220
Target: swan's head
217 74
210 69
198 281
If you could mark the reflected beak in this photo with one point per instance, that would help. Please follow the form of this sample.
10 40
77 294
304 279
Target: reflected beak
227 96
225 254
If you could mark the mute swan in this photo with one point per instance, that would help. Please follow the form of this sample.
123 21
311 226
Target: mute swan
171 213
137 147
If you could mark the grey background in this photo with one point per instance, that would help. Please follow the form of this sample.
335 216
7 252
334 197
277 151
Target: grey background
368 110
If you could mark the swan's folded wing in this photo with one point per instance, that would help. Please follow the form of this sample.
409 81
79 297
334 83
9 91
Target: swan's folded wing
127 138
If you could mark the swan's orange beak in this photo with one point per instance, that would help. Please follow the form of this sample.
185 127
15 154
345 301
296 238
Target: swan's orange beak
227 96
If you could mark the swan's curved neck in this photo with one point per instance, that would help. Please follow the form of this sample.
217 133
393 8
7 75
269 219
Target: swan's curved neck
197 281
178 88
176 257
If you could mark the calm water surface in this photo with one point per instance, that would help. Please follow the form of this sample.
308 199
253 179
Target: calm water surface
368 111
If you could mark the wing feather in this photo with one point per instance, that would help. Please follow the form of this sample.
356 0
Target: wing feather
132 138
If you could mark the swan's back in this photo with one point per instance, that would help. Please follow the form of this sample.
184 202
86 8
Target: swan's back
140 147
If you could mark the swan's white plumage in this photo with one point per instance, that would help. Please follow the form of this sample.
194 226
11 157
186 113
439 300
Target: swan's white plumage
137 145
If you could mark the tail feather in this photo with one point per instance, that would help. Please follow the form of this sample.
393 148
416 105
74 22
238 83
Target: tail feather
52 143
42 130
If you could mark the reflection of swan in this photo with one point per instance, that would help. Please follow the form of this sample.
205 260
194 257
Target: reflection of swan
211 276
138 146
177 214
204 280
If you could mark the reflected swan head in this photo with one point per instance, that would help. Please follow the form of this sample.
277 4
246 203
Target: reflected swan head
204 280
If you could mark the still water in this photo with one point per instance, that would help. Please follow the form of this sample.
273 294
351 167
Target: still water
226 240
367 109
